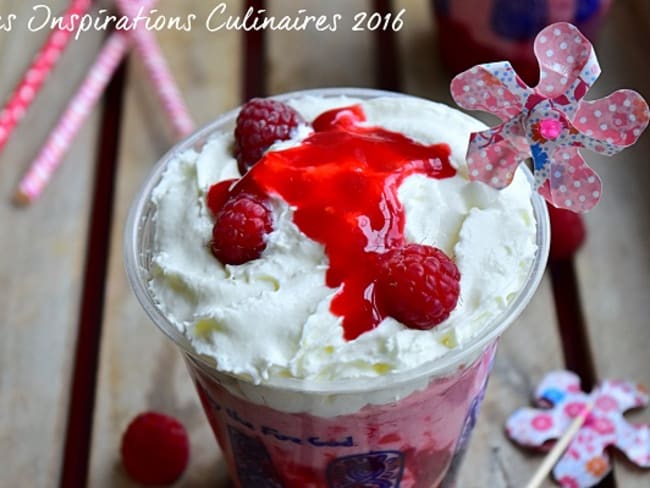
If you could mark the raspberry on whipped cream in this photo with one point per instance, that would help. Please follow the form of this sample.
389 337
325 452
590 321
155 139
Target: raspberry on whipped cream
418 285
341 182
260 123
287 312
240 229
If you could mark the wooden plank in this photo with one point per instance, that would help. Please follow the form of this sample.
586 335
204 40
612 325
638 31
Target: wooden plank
127 332
614 266
529 349
492 460
161 382
43 259
311 59
140 369
422 71
516 370
641 10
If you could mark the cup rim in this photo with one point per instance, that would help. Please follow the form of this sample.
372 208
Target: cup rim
135 262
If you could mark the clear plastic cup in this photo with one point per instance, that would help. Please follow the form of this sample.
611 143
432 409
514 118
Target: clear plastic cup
407 429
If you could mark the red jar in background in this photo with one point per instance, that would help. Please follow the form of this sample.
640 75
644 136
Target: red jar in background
480 31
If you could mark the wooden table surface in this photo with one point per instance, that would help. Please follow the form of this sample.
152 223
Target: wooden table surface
78 356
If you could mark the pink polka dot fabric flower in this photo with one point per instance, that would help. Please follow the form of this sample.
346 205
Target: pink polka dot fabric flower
549 122
585 462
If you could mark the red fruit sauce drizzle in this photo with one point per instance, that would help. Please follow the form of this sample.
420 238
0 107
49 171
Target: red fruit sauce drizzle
342 181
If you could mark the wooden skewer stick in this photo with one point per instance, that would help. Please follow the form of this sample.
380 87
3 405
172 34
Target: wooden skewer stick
554 454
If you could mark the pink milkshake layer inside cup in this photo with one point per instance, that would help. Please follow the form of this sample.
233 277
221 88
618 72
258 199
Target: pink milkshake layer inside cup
409 443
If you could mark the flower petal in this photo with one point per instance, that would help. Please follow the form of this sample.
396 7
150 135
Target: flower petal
572 184
634 441
561 380
493 87
494 154
585 462
627 394
585 468
616 120
532 428
567 63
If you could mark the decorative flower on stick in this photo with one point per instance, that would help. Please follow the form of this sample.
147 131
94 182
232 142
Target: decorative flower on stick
585 461
549 122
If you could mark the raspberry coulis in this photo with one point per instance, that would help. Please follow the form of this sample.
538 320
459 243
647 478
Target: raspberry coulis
342 181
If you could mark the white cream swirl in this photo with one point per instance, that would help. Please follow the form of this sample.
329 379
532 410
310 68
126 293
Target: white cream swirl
271 316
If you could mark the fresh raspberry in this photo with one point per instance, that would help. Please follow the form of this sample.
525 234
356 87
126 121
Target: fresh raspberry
240 229
417 285
567 232
155 449
260 123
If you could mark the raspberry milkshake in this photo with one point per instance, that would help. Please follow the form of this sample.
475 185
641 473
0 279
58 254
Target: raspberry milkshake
336 282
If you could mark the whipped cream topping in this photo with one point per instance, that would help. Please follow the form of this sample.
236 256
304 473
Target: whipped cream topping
271 317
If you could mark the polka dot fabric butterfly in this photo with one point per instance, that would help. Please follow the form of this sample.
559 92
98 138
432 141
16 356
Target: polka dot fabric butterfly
549 122
585 461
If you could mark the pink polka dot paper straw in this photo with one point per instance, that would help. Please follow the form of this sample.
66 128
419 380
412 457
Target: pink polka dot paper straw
159 73
37 73
72 119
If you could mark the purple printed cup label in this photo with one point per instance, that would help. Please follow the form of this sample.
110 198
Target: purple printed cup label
382 469
254 466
